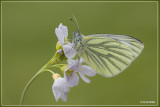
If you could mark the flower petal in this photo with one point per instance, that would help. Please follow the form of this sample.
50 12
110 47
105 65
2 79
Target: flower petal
69 51
56 92
64 96
60 36
64 30
86 70
70 61
61 32
84 78
73 65
72 80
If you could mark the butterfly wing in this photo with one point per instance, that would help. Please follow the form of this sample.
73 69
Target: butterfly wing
110 54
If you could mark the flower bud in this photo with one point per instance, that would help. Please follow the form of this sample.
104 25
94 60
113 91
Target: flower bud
60 51
63 68
55 76
58 46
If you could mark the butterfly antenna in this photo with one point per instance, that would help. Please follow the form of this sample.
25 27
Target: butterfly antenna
75 21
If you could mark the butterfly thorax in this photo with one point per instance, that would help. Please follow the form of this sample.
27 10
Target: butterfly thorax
77 38
77 41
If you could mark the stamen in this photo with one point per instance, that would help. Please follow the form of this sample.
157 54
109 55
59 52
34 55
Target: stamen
69 72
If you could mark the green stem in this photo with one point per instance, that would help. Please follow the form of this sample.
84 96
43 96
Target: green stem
52 61
58 65
49 71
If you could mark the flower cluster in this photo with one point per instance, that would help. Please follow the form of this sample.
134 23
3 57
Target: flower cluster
62 84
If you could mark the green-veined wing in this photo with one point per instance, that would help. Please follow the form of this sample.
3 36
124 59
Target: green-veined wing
110 54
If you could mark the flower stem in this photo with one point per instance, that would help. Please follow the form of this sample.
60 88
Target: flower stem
58 65
52 61
49 71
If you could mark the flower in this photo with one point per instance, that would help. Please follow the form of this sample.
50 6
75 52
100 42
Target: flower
62 34
70 75
74 66
60 88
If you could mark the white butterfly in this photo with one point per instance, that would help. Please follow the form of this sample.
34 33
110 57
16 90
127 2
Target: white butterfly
107 54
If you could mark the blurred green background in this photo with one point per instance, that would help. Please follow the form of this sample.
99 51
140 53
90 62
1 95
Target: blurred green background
28 42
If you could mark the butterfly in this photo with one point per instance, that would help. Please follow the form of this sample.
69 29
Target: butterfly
107 54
